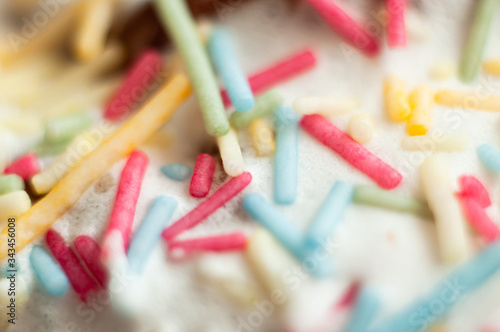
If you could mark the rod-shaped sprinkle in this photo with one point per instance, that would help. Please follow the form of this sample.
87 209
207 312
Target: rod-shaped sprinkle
396 28
82 283
471 187
479 219
223 195
230 153
12 205
65 127
361 128
345 26
330 213
217 243
465 279
223 55
420 117
90 253
489 156
368 305
492 67
48 272
467 100
143 76
203 175
353 152
135 132
10 183
384 199
25 167
149 232
127 194
396 99
262 138
285 232
182 28
264 105
440 142
177 172
451 228
278 72
472 55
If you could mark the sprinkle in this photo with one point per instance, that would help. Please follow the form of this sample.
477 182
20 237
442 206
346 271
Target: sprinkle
437 143
230 152
226 62
48 272
469 276
82 283
489 156
90 252
127 194
473 51
141 79
12 205
25 167
217 243
66 127
492 67
177 172
278 72
420 117
223 195
262 138
345 26
183 30
330 213
384 199
441 71
396 99
451 228
465 100
264 105
396 28
367 306
471 187
479 220
149 232
147 121
361 128
325 105
354 153
10 183
203 175
285 232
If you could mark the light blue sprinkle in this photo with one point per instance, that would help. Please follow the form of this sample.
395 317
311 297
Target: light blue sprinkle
177 172
287 234
366 308
48 272
329 214
489 156
286 157
226 62
149 232
419 316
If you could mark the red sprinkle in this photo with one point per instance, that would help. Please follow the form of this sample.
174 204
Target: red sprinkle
25 167
396 28
209 206
218 243
277 73
345 26
81 281
471 187
202 176
353 152
479 220
349 297
90 252
141 79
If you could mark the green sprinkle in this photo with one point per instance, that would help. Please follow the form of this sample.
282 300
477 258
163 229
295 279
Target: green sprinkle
183 30
47 149
10 183
384 199
472 55
66 127
264 105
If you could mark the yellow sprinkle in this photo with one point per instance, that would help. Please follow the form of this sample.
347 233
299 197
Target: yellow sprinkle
437 142
396 99
420 118
262 138
492 67
12 205
230 153
465 100
441 71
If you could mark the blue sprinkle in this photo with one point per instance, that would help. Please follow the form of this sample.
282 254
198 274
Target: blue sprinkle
149 232
177 172
224 57
489 156
286 157
366 308
48 272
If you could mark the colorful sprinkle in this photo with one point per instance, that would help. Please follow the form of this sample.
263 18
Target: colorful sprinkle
203 175
264 105
177 172
90 252
471 187
48 272
230 153
25 167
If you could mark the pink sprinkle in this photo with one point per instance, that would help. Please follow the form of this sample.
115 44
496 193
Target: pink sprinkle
396 28
471 187
141 79
345 26
127 195
349 297
353 152
218 243
81 281
278 72
25 167
479 220
90 252
209 206
202 176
